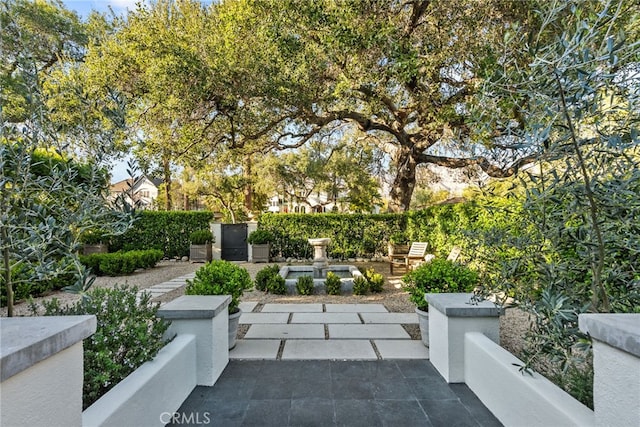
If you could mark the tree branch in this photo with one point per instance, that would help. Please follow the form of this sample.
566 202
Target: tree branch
490 169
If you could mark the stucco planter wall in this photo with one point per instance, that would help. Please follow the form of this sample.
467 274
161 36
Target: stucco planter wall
156 388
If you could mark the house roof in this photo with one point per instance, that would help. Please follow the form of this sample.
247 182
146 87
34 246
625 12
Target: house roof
125 184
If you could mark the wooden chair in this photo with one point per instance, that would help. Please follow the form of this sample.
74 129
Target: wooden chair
416 254
453 256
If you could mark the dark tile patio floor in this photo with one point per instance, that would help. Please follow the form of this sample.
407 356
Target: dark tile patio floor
333 393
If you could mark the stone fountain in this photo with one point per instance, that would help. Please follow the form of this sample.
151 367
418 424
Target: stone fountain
319 269
320 260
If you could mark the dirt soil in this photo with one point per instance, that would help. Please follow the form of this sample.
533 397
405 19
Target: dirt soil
513 325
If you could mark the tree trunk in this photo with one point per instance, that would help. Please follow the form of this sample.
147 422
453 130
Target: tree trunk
404 182
166 169
7 272
248 189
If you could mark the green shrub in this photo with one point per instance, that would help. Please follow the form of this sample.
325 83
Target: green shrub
333 283
436 276
259 237
201 237
120 263
220 277
304 285
375 280
360 286
112 265
128 334
263 276
276 285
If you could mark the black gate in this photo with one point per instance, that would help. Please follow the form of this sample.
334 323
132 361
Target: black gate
234 242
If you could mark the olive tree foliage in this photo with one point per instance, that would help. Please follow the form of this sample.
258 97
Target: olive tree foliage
47 199
579 94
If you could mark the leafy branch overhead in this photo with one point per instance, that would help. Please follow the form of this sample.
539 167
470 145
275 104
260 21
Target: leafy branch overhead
266 75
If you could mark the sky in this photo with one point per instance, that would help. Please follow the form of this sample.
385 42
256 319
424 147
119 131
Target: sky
84 7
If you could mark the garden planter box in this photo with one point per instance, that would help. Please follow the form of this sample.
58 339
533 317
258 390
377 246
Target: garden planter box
100 248
260 253
200 253
156 388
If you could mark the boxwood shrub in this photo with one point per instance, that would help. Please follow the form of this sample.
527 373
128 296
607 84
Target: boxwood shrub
263 276
121 263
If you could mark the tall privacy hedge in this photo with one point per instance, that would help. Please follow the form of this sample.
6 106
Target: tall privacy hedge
167 231
356 235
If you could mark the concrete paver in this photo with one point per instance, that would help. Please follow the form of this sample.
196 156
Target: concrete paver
247 306
255 350
325 318
401 349
254 318
276 331
369 331
356 308
401 318
292 308
328 350
169 286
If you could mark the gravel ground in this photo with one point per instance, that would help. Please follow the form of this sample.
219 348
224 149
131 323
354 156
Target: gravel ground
512 326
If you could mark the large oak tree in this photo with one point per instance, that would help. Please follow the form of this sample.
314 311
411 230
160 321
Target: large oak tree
270 74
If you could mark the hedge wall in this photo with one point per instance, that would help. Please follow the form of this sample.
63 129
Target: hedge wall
363 235
167 231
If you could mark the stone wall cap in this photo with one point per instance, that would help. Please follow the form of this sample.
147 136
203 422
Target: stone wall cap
25 341
459 305
618 330
194 307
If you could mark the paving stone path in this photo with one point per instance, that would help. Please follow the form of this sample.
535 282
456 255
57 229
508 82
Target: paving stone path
326 332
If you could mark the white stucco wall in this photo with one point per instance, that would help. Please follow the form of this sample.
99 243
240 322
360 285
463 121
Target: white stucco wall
517 398
446 341
48 394
616 386
157 388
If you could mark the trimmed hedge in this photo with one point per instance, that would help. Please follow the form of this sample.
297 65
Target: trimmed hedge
167 231
121 263
364 235
351 234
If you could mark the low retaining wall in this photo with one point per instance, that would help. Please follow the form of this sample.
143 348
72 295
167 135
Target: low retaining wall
156 388
464 347
514 397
